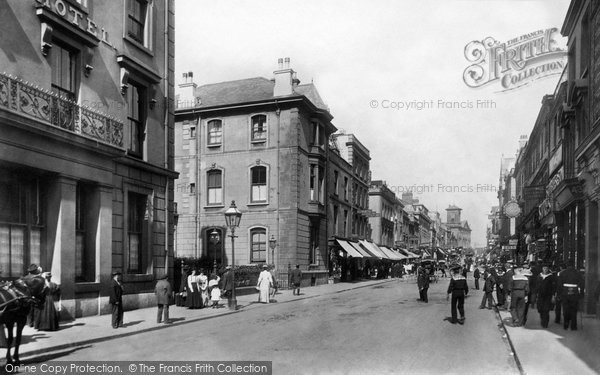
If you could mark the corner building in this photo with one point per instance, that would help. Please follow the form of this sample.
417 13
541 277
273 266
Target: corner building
86 146
262 143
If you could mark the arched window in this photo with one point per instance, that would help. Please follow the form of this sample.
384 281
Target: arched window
215 133
259 128
258 184
258 245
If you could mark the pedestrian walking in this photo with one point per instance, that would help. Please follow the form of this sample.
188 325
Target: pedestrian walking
546 286
423 284
265 281
33 271
203 286
558 306
47 318
570 287
116 300
274 288
163 292
506 280
296 279
527 273
227 287
476 276
500 292
488 289
458 288
215 291
519 289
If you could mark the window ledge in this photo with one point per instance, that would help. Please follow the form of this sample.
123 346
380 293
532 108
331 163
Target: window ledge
137 277
139 45
258 141
214 206
258 204
87 286
214 145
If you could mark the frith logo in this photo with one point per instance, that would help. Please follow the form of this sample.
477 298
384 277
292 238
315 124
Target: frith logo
515 63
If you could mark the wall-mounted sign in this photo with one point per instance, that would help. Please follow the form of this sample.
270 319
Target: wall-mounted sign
555 161
512 209
72 15
554 181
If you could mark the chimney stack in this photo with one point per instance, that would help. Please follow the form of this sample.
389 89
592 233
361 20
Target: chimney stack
187 96
284 78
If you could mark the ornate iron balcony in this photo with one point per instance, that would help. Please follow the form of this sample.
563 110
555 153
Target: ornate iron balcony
24 98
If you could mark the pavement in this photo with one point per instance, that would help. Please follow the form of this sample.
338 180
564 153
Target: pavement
36 345
536 350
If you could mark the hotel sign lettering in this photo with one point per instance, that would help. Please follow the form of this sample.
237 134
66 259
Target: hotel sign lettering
72 15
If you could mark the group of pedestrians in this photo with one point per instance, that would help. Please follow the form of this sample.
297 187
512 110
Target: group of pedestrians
519 288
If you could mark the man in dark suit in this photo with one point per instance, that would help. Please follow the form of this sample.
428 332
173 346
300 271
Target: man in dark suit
116 300
163 293
296 279
571 288
476 275
227 284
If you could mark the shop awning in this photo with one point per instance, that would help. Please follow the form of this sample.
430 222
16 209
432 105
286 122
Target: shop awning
361 249
349 249
393 255
374 249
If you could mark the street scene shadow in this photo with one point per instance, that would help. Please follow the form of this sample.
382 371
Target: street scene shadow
133 323
51 356
448 319
71 325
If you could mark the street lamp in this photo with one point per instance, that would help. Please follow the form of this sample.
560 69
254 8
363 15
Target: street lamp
214 239
232 219
272 245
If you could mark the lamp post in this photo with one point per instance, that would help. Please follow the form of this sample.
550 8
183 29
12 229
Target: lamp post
232 219
272 245
214 239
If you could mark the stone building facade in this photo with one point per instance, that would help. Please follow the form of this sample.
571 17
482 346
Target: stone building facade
86 146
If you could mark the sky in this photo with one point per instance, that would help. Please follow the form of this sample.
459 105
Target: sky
369 61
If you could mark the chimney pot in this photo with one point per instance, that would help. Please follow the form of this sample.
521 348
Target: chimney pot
287 62
280 63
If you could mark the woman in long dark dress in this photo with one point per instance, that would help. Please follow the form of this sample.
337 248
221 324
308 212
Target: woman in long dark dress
193 299
47 319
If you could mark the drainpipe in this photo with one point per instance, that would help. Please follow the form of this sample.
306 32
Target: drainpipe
278 113
166 135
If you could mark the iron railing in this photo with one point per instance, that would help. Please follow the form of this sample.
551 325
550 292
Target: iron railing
52 109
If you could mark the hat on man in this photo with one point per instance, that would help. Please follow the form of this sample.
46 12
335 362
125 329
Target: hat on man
34 269
228 267
115 273
265 266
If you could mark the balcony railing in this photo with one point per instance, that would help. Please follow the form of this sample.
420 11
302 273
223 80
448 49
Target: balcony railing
24 98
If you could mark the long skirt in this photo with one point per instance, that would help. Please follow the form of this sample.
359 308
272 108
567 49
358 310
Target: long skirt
193 299
263 292
47 317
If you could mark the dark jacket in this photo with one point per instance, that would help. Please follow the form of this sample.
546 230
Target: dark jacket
458 286
570 284
490 281
423 280
296 277
227 281
546 287
116 293
163 292
476 273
